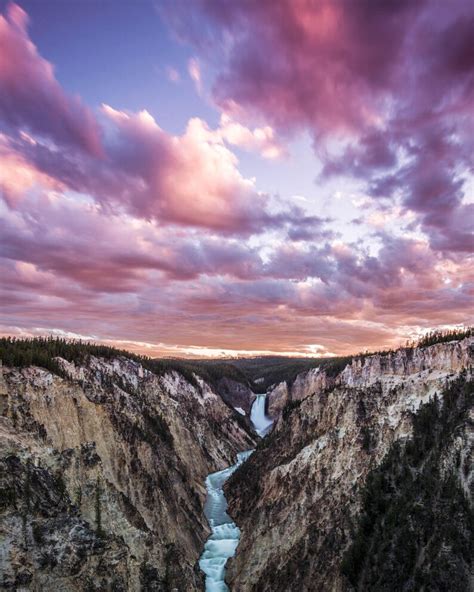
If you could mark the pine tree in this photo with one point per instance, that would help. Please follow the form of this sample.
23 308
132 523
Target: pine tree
98 510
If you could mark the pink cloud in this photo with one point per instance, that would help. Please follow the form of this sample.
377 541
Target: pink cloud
301 63
132 279
18 176
194 71
191 179
173 74
30 95
260 139
392 81
114 253
127 161
154 237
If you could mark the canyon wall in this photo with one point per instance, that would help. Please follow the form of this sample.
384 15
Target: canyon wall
365 371
298 498
102 476
236 394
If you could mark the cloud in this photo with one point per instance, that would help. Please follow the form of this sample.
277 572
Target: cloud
30 95
173 74
122 160
160 240
386 90
106 253
260 139
18 176
137 282
194 71
298 62
66 253
191 179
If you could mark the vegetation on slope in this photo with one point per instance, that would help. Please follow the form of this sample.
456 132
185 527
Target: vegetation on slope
416 528
212 371
42 351
257 373
262 372
434 337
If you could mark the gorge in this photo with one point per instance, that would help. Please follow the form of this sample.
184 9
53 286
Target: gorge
121 473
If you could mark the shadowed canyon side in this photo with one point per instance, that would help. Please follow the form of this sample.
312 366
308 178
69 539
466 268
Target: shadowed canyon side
315 514
102 475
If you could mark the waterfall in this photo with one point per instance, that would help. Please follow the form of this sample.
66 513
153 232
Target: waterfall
259 419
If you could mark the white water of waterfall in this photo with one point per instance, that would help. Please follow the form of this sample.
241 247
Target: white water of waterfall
225 533
259 419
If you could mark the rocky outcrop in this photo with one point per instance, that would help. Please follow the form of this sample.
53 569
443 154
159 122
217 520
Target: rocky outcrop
391 368
421 366
277 399
236 394
297 498
306 383
102 476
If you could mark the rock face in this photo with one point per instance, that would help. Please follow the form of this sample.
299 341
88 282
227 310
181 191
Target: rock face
102 476
277 399
236 394
388 369
297 498
305 384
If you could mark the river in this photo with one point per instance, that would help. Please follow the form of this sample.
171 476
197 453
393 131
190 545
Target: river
225 535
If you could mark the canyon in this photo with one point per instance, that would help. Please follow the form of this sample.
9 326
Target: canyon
116 477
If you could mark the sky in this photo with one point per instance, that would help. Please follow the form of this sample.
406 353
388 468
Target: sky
221 178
